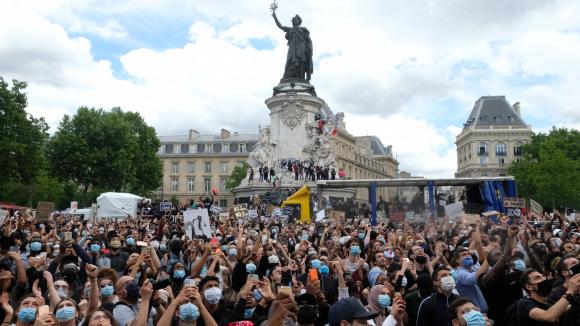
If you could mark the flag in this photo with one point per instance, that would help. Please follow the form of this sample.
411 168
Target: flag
333 132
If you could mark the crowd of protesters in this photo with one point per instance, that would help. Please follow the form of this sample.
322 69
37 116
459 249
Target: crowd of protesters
145 271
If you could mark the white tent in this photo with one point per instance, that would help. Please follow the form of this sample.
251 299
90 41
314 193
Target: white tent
116 204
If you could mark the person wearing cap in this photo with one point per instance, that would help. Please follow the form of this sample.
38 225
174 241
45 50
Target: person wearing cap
350 312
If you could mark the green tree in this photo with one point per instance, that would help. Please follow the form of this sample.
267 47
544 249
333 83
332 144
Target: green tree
108 150
238 174
550 170
22 140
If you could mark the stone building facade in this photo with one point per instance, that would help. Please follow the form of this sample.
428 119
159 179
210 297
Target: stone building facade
194 164
492 138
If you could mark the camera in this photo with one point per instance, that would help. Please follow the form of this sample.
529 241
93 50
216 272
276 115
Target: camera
161 283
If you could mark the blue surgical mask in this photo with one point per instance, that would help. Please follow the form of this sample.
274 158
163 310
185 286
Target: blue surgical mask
188 312
232 252
35 246
95 247
474 318
107 291
384 300
324 270
520 265
454 274
27 315
251 268
162 247
361 235
467 262
179 273
355 250
249 312
130 241
224 248
315 263
65 314
305 237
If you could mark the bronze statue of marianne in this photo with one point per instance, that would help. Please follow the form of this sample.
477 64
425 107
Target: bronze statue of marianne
299 58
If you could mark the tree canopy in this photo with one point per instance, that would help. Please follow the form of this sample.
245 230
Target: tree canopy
238 174
112 150
550 170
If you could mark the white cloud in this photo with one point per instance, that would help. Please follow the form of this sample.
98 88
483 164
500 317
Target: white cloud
393 61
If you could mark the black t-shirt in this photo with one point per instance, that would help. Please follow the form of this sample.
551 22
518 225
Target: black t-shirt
523 309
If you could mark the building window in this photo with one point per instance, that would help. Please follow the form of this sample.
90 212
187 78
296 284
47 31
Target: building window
234 147
217 148
482 161
501 161
242 148
518 160
482 149
223 184
169 148
174 167
207 184
223 203
207 167
174 184
191 167
518 150
500 149
224 168
502 174
184 148
200 148
191 184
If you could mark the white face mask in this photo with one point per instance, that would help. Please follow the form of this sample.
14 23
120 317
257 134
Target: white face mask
447 284
213 295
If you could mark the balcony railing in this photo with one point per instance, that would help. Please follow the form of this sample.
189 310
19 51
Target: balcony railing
500 153
482 153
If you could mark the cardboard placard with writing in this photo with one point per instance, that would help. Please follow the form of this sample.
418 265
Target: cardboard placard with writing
224 216
241 211
338 215
471 218
454 211
43 210
536 209
514 202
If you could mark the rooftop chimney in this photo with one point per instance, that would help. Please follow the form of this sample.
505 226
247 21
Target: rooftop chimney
193 133
224 133
517 108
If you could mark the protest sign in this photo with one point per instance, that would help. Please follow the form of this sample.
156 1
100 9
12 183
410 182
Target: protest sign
454 211
74 205
216 210
43 210
3 215
252 213
338 215
224 216
320 215
536 209
165 206
241 211
196 222
472 218
514 211
396 216
514 202
409 215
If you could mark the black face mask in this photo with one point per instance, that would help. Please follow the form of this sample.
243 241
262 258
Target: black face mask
545 287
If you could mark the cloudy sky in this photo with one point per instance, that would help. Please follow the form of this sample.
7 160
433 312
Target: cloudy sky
407 71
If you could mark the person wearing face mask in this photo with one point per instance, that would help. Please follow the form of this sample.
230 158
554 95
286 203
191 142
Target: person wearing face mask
129 310
433 309
535 311
354 260
130 245
563 268
27 311
379 301
247 307
177 277
468 273
464 313
186 309
97 259
107 292
212 299
67 312
117 257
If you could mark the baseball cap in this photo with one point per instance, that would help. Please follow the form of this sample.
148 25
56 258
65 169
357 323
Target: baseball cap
555 232
349 309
